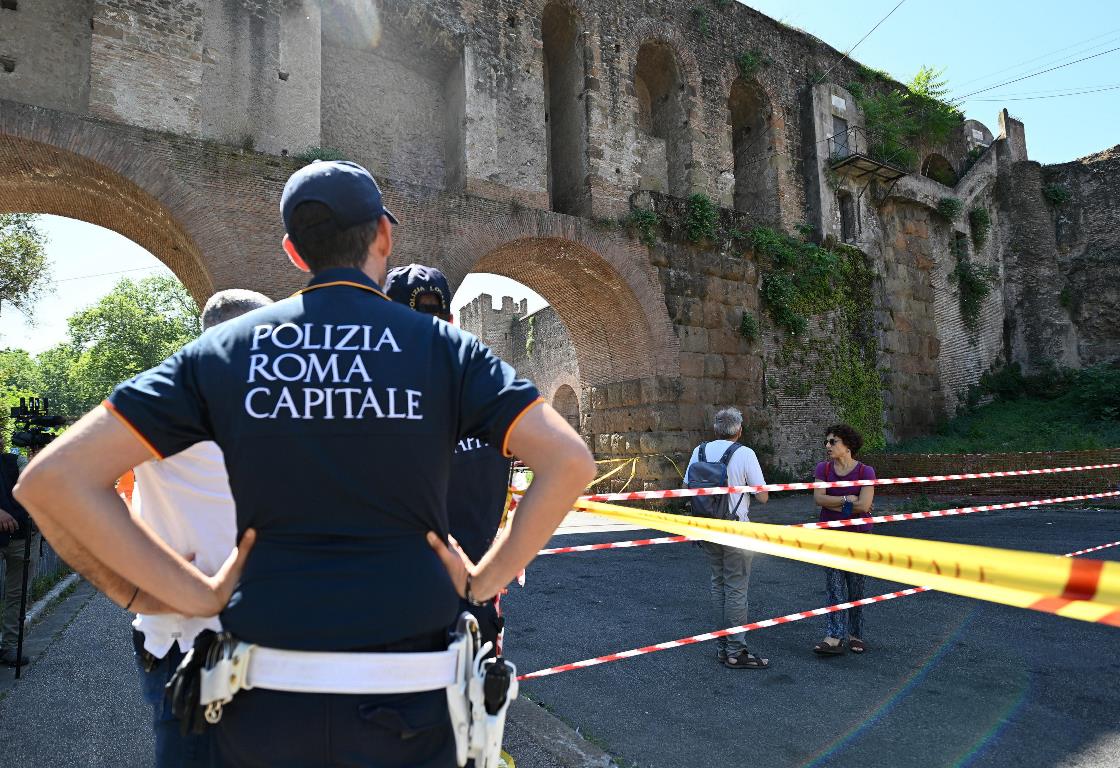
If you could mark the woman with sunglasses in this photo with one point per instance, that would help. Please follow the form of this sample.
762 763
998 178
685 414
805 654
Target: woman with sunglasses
841 503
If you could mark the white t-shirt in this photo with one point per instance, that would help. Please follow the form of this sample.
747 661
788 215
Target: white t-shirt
742 469
186 501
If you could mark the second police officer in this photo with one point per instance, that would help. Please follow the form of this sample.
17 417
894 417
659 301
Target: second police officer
337 412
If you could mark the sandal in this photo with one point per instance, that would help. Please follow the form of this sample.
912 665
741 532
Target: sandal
856 645
745 660
827 649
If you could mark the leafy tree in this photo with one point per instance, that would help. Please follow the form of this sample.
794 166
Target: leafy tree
24 271
131 329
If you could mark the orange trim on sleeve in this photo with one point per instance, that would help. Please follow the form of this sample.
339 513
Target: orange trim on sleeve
512 424
132 428
341 282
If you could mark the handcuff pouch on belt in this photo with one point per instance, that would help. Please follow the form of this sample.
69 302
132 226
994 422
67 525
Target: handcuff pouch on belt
208 677
479 700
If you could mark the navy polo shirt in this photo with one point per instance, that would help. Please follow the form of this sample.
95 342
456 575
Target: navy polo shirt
337 412
476 496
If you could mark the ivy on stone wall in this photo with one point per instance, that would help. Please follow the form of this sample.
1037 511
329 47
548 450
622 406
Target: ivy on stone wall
643 221
1056 194
974 283
950 207
801 279
980 223
320 153
530 340
700 218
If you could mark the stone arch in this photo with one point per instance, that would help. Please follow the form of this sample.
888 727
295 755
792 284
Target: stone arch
601 287
939 169
565 110
71 168
663 97
756 181
566 403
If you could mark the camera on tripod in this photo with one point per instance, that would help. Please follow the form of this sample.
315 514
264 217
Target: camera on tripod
34 422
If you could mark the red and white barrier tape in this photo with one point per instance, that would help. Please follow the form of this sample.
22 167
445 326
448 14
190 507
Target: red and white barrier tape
772 487
847 522
951 512
790 617
1092 549
614 545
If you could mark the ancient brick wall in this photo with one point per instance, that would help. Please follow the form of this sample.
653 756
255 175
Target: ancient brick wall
1087 237
45 54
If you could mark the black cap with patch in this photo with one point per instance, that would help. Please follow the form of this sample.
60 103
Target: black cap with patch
408 284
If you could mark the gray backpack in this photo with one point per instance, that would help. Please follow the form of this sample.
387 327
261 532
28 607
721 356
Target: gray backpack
712 474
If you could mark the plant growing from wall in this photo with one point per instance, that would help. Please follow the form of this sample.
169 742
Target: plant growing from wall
643 221
898 118
748 328
701 15
1056 194
530 340
700 218
950 208
749 62
974 283
980 224
801 279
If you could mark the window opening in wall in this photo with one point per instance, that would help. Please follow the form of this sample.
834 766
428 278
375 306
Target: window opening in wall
566 112
667 150
848 219
751 138
7 64
9 5
839 140
283 76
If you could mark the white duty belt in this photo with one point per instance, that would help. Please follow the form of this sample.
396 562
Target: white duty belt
232 666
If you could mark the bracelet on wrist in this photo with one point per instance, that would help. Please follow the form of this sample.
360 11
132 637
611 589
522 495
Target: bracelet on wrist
132 599
469 596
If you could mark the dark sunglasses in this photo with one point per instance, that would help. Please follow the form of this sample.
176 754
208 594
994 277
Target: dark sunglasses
429 309
832 441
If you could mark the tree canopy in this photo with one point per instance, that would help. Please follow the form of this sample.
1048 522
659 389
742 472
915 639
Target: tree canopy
129 330
24 272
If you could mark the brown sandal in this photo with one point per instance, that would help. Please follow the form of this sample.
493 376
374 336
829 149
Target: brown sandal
826 649
856 645
745 660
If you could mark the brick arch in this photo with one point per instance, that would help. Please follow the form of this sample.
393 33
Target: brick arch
64 166
657 31
602 287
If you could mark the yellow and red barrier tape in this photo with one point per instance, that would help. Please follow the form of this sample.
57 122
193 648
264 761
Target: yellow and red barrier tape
1088 590
791 617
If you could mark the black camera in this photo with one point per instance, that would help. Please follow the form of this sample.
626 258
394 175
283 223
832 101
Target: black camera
34 422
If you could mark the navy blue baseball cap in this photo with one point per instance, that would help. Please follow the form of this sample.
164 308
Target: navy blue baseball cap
346 188
406 284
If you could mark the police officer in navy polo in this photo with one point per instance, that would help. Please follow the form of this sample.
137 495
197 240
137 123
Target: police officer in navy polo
480 473
337 412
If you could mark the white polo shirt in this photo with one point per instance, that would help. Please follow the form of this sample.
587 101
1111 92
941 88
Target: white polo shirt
742 469
186 501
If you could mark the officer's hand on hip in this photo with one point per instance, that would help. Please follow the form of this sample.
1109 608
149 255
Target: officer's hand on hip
8 524
454 559
225 580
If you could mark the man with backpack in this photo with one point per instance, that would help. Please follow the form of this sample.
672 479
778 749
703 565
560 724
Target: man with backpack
718 463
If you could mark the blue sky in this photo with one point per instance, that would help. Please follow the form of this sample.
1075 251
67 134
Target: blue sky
980 44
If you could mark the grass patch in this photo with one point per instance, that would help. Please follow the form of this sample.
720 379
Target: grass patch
1024 424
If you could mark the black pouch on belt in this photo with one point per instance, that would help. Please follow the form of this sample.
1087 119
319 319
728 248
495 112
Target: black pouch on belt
184 687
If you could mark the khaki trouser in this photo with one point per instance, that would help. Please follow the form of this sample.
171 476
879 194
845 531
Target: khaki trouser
13 555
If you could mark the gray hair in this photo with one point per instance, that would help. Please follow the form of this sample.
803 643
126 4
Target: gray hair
727 422
231 303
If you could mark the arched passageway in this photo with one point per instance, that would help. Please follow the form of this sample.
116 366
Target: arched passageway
756 183
663 120
939 169
566 403
566 111
40 178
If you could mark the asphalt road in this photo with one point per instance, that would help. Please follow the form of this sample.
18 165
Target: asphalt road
946 682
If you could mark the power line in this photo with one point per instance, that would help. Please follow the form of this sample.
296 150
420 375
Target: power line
1044 56
849 51
961 99
1052 95
104 274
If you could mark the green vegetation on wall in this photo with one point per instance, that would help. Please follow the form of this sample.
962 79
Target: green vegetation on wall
899 120
950 208
1056 194
748 328
700 218
980 223
320 153
643 221
974 283
530 337
801 279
